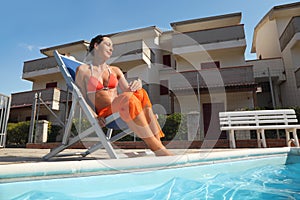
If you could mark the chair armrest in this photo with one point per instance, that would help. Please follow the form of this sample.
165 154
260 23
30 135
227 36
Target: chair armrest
112 118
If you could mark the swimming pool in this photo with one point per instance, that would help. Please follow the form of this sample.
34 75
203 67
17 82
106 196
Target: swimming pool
245 174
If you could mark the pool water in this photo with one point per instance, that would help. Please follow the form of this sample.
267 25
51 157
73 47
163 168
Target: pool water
267 178
265 183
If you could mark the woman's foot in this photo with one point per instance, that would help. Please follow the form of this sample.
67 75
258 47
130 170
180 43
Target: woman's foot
163 152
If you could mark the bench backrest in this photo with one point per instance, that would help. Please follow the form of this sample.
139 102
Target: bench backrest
257 117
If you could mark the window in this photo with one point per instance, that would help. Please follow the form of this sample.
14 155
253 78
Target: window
167 60
51 85
209 65
164 87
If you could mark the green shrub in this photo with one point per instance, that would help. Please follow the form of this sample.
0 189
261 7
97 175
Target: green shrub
53 132
76 125
17 133
175 127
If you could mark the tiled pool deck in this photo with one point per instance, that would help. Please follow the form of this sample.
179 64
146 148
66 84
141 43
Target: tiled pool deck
27 155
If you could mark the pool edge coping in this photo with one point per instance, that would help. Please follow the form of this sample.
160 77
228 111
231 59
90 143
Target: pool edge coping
48 169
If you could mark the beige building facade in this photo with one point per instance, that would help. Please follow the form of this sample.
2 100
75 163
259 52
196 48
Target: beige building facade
276 42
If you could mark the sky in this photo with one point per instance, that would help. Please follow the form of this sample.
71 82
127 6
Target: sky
31 25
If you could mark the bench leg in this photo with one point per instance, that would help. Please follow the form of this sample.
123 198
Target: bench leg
258 138
287 137
261 139
296 141
231 139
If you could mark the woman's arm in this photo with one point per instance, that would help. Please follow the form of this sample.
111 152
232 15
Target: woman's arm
123 83
79 80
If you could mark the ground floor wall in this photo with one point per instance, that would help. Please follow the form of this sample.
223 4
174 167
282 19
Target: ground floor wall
20 114
208 111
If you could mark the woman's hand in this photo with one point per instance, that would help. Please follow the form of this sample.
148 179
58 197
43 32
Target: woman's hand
101 121
135 85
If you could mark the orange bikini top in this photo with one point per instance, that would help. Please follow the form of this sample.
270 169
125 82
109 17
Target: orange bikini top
95 85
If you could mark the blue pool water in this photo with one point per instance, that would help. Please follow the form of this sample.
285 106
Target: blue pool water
265 178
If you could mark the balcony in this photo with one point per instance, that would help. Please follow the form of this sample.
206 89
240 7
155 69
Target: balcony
131 54
290 31
41 68
265 68
211 39
228 78
51 96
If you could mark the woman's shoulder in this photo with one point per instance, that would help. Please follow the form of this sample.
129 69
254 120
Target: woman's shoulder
83 71
115 69
83 68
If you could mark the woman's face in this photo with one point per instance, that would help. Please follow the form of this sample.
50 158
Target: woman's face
104 49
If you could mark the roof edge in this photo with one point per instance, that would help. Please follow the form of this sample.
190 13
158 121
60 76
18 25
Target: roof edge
134 30
237 14
63 45
270 15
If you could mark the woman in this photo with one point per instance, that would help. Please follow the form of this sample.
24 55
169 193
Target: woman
98 83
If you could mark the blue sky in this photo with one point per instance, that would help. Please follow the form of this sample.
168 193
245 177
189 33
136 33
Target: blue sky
27 26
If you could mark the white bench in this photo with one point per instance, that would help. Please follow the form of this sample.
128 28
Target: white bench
260 120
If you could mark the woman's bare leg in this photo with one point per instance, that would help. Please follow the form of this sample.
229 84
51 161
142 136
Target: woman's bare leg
145 124
141 127
153 122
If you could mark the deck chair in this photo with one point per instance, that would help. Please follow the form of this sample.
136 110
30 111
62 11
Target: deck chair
68 67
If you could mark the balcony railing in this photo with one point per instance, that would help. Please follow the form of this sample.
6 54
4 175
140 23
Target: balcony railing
265 68
48 95
214 78
135 51
208 36
39 64
292 28
39 67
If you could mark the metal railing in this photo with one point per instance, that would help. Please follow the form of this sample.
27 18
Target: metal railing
4 115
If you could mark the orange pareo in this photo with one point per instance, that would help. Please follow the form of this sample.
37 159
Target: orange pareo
129 105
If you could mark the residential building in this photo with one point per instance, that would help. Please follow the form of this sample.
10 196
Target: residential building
48 83
197 66
276 42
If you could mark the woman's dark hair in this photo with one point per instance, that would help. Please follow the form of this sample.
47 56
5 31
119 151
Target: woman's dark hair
96 40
